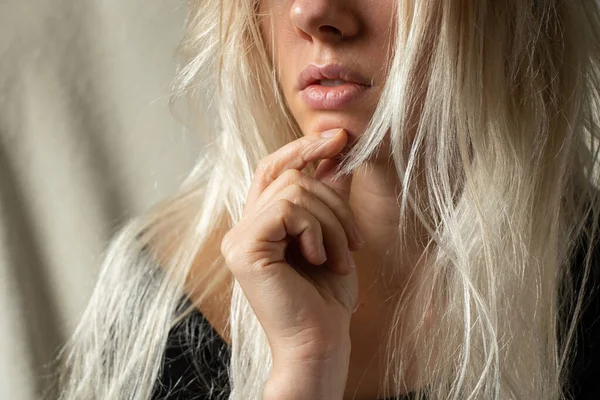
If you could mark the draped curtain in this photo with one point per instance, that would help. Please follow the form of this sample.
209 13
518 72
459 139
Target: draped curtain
87 140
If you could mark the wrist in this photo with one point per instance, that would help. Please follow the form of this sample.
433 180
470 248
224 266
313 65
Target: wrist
290 385
296 377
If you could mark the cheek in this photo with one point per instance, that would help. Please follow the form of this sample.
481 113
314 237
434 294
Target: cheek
264 22
279 45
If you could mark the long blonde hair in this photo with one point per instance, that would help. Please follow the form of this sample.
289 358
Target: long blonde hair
506 98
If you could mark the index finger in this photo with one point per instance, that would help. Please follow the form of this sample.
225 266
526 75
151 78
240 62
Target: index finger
294 155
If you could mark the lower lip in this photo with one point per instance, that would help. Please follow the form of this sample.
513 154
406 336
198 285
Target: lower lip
332 97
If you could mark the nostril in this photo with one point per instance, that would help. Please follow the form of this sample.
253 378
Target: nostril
330 29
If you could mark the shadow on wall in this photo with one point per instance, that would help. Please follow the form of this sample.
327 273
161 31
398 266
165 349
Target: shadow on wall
86 142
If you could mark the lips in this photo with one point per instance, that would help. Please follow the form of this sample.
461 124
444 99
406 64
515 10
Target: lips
332 86
332 72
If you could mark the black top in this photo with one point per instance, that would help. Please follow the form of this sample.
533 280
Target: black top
180 380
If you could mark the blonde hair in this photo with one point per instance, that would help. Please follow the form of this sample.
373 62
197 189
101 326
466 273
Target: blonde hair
498 103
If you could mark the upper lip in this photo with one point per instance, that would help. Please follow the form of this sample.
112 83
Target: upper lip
313 73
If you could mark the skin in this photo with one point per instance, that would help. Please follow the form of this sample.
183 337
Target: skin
336 350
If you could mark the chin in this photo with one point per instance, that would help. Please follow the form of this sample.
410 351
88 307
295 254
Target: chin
353 124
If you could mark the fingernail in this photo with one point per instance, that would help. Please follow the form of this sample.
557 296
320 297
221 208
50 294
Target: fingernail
331 133
323 252
350 259
358 235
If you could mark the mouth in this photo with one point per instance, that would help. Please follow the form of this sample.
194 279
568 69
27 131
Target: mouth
332 86
330 82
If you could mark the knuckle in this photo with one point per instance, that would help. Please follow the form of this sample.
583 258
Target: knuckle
292 175
238 262
264 169
296 193
224 248
304 158
283 207
233 252
227 250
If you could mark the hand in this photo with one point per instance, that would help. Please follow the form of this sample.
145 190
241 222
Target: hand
290 253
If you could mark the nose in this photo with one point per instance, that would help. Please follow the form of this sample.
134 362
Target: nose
324 20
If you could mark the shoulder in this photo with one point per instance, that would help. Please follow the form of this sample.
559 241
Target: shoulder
196 356
208 283
209 287
195 364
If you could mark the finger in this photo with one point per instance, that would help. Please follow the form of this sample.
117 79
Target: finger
324 173
334 236
285 218
294 155
324 193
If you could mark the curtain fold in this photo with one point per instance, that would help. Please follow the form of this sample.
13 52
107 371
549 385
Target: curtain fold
87 141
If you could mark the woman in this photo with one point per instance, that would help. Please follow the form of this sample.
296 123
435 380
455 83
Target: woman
457 176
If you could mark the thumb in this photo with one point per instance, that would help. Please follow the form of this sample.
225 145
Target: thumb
324 173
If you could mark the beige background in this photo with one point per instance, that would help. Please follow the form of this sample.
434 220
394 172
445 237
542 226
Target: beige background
86 141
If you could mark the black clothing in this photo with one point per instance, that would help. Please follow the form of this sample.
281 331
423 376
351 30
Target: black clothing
179 380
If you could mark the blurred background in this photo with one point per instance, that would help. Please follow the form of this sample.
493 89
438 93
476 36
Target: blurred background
87 141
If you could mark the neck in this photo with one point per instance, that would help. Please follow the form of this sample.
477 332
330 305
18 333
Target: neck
383 267
375 188
382 275
374 199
